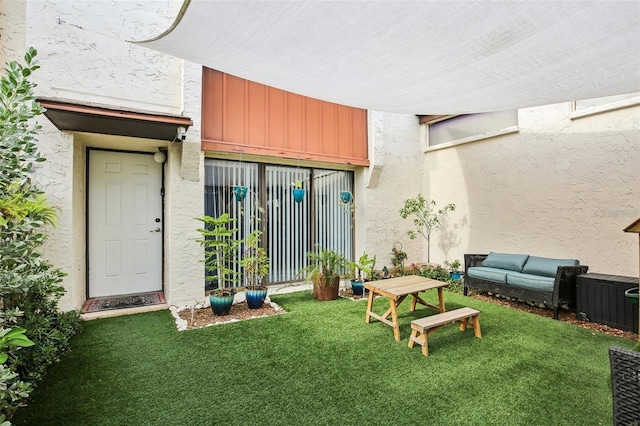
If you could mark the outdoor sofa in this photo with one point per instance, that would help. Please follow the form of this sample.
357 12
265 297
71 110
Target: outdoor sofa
531 278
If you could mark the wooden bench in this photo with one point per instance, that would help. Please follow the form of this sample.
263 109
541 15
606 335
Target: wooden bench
423 327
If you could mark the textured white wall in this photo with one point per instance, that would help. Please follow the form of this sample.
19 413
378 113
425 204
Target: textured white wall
184 274
560 188
394 175
82 47
13 15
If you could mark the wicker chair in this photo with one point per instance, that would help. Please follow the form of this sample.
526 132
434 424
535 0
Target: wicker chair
625 386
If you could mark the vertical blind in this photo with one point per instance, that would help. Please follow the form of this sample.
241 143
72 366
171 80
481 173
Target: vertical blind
288 230
334 219
220 178
320 220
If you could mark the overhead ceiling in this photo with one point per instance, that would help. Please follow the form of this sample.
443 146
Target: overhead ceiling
420 57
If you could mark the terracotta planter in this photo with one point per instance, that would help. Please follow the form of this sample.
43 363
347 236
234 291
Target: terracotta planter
323 290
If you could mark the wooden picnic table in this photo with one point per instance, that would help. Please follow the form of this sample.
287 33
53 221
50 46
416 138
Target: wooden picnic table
396 290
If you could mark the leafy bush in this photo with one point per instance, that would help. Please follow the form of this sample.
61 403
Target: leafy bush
437 272
29 286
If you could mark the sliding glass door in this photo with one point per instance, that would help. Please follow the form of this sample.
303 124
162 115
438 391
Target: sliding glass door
291 228
288 222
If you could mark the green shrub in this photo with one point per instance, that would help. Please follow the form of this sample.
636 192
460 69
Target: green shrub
29 285
437 272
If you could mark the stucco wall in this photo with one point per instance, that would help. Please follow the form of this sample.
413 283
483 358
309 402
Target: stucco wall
395 174
184 274
84 54
12 30
559 187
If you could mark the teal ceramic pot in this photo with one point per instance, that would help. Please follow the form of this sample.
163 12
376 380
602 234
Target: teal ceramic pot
357 287
240 192
221 302
255 297
298 195
345 197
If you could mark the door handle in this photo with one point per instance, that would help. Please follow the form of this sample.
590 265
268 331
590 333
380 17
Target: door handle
156 230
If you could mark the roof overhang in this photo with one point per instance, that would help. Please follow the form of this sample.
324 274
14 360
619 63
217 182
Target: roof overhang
110 120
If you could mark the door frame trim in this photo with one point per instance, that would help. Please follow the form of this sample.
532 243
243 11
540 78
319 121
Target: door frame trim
87 218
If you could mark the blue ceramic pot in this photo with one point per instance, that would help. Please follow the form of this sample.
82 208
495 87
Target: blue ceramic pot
357 287
240 192
255 297
455 275
298 195
345 197
221 302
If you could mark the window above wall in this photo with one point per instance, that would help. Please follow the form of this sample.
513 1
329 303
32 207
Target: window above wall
586 107
444 131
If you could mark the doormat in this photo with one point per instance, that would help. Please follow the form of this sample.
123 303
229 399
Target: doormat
123 302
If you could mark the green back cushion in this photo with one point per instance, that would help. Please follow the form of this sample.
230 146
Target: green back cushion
512 262
546 266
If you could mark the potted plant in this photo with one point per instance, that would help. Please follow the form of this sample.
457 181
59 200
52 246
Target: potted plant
363 269
298 191
324 272
346 197
454 269
398 258
256 266
221 246
240 192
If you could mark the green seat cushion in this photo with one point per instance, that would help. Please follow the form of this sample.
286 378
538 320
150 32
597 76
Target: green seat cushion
546 266
512 262
490 274
536 282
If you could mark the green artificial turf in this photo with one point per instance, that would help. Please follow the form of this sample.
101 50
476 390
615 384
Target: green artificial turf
321 364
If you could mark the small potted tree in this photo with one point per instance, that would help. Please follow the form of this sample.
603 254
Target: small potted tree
324 272
256 266
363 269
221 246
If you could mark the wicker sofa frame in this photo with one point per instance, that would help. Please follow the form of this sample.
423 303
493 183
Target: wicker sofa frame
564 287
625 385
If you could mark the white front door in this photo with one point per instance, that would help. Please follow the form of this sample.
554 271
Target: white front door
125 223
